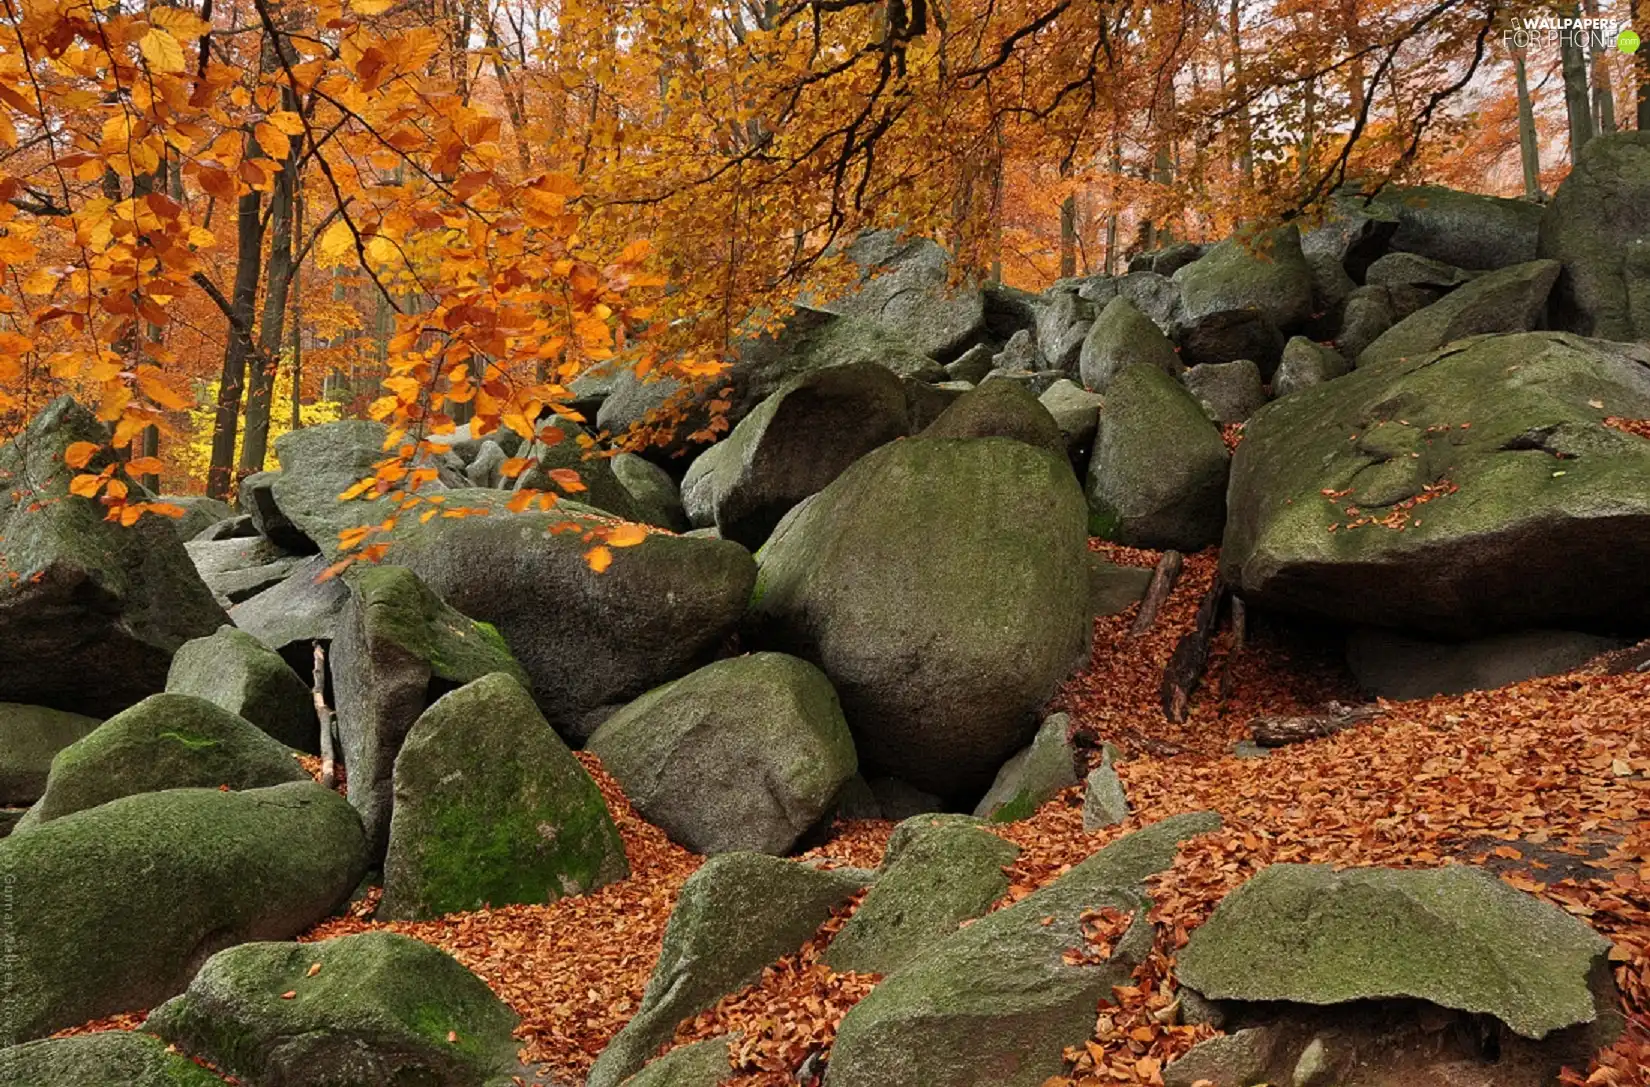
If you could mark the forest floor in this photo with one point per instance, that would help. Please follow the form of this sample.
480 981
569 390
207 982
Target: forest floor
1546 783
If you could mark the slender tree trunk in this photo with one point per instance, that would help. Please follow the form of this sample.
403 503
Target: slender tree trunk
1068 236
1641 64
1111 220
1576 102
1604 95
1528 145
297 345
243 299
272 326
1246 153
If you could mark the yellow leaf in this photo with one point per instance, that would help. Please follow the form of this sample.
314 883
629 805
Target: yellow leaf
275 143
152 383
40 281
162 51
371 7
599 558
80 454
635 252
181 24
627 535
86 486
287 121
335 244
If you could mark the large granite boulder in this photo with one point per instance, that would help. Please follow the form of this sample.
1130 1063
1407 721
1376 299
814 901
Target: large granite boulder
737 914
1237 299
791 446
91 611
167 741
234 670
1388 664
906 289
109 1058
1455 936
30 737
1121 337
398 646
291 616
941 585
491 808
1598 225
1464 229
115 908
1157 476
744 754
372 1008
1472 489
996 1004
1512 299
1000 409
318 464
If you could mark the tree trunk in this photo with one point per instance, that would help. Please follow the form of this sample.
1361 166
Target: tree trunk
249 236
1279 731
272 326
1157 592
1576 103
1529 146
1191 656
1068 236
1246 153
297 345
1641 68
1111 220
1604 95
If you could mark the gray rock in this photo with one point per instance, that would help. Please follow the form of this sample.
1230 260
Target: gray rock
899 800
1114 589
744 754
1000 409
1369 312
791 446
1032 776
1307 363
1510 300
303 608
1331 287
1105 804
110 1058
30 737
1228 392
1076 412
256 496
484 470
972 549
1121 337
491 808
1036 382
1539 516
737 914
1063 322
234 670
654 495
1598 226
90 611
199 513
382 1008
398 646
1240 295
1226 1060
996 1004
944 875
1454 936
1354 234
1157 478
1413 270
167 741
1020 353
318 464
1156 296
238 526
906 290
575 451
972 365
116 907
1463 229
701 1064
1390 665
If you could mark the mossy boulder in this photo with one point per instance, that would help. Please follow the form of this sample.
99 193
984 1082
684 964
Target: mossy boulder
1105 804
1306 363
1114 588
701 1064
1121 337
1000 409
945 873
167 741
996 1004
941 585
1465 229
491 808
657 499
1598 226
1157 476
110 1058
91 611
1509 300
1502 499
1455 936
116 907
1032 776
375 1009
30 737
1228 392
295 613
1076 411
398 648
239 673
737 914
743 754
589 641
906 287
792 445
1238 297
319 463
566 446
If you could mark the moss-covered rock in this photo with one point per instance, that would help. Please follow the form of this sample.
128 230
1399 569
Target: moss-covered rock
111 1058
575 450
375 1009
1032 776
588 641
1509 300
1121 337
318 464
907 288
1157 477
1598 225
399 646
1000 409
737 914
941 585
1076 411
996 1004
1113 588
167 741
744 754
1306 363
657 499
238 672
1238 297
702 1064
1465 229
116 907
1105 804
1228 392
942 875
30 737
492 808
1506 501
91 611
1456 936
792 445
